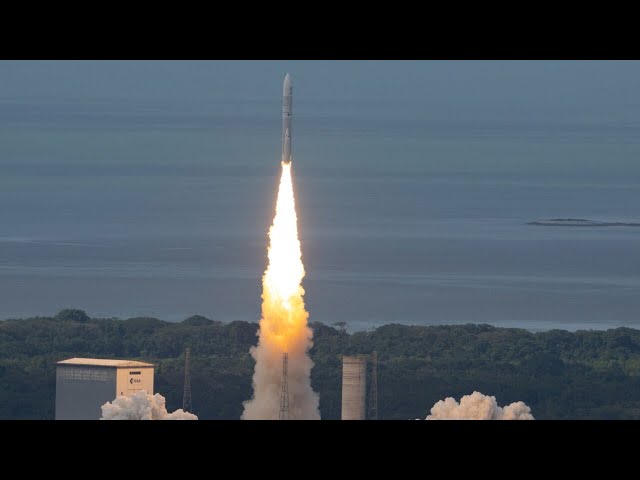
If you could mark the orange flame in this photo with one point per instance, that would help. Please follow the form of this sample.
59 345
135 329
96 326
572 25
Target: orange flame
284 318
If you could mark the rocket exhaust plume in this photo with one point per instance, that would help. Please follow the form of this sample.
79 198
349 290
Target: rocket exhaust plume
283 327
282 376
478 407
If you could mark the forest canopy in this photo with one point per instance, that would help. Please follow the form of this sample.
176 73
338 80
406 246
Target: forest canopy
559 374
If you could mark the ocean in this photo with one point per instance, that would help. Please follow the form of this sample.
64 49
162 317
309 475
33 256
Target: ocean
161 208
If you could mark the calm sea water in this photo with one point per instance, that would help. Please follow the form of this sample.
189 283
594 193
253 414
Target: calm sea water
128 208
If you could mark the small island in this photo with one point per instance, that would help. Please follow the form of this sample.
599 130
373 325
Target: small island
580 222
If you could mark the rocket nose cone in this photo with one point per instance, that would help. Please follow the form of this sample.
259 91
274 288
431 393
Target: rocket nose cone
288 83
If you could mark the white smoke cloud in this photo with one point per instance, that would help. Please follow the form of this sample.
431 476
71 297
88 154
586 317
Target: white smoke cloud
142 406
478 407
265 404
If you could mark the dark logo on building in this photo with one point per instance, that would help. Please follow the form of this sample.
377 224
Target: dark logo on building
134 380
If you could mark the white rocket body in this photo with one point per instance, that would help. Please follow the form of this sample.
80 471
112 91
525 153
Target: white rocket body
287 111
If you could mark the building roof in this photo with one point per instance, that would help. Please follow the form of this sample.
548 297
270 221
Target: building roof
103 362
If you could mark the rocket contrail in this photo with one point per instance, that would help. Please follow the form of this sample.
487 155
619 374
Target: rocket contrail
283 327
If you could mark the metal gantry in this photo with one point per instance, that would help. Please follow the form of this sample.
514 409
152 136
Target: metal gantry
372 413
186 398
284 391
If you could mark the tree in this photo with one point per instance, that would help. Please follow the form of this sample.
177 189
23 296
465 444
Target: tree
72 315
342 326
197 320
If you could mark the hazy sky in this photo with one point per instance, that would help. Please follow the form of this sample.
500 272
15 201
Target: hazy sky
519 89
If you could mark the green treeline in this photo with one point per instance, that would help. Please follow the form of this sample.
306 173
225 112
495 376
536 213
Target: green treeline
559 374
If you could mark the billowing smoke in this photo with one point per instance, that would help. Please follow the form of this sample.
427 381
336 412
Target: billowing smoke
283 327
478 407
142 406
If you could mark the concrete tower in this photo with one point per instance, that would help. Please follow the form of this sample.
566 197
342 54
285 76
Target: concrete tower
354 387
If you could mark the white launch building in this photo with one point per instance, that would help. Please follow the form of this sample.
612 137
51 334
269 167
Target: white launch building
83 385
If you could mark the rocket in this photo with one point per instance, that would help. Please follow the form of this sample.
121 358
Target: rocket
287 109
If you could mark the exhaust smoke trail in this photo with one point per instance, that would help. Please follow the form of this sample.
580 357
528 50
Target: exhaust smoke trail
283 326
478 407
